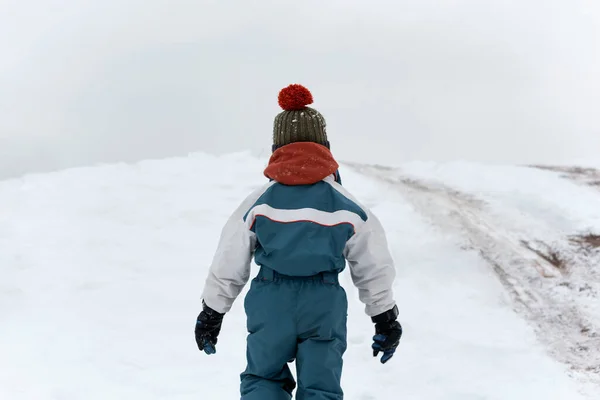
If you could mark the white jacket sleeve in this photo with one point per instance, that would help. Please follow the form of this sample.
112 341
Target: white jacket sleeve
230 268
371 266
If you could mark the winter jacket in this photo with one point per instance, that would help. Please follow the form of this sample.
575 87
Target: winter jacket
302 223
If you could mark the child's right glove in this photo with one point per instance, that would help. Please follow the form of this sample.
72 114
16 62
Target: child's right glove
208 326
388 332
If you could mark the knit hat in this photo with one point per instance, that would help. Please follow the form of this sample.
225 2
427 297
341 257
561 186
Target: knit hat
297 122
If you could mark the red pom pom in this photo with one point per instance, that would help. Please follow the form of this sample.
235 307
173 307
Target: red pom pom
294 97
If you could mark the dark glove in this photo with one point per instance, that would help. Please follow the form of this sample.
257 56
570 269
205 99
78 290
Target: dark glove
388 332
208 327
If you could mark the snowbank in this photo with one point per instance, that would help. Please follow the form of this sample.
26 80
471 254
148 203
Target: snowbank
102 268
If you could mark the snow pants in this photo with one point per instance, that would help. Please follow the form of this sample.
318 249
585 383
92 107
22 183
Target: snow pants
295 318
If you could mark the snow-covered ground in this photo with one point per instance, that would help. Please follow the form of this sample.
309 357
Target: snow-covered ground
101 270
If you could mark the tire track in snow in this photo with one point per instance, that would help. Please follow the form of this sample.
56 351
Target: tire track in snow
570 336
581 175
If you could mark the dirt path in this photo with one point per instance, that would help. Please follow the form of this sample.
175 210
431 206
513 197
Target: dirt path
549 283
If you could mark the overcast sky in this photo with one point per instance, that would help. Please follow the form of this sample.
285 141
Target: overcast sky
89 81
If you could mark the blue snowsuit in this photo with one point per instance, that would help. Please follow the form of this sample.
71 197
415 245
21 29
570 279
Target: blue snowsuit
302 228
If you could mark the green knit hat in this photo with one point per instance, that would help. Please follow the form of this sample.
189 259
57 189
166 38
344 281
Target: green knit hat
298 123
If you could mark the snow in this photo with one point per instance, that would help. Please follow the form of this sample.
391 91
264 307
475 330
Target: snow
569 208
102 269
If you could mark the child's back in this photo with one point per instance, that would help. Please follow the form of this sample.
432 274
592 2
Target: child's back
301 227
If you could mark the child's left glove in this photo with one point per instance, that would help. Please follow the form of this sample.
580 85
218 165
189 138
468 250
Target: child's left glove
208 327
388 332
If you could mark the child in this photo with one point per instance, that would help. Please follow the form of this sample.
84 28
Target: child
301 227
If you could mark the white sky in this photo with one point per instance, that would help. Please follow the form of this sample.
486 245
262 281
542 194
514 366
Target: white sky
84 81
